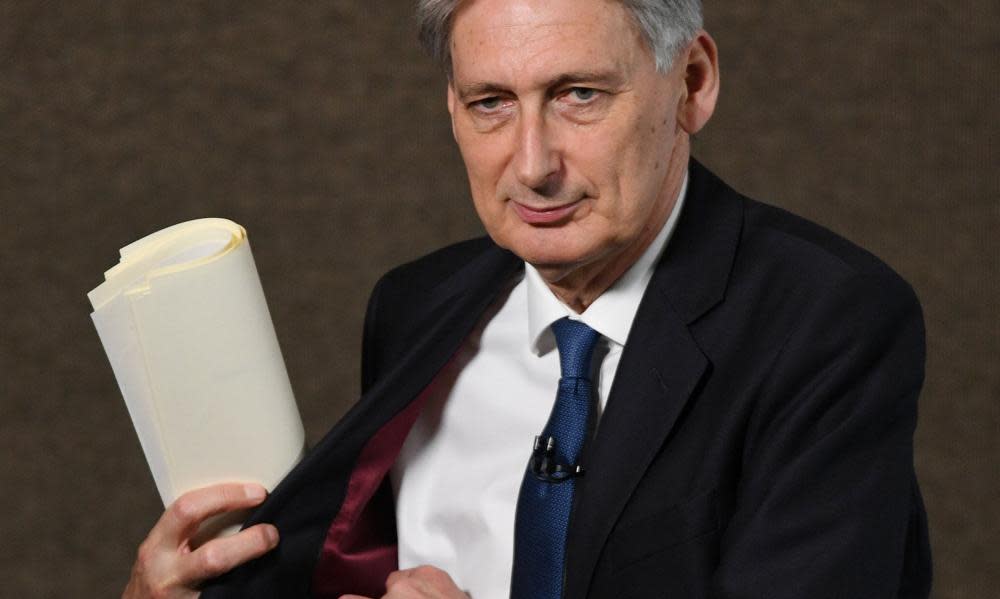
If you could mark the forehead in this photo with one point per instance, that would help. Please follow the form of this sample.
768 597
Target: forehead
516 41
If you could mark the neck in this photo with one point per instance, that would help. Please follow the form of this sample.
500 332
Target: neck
579 285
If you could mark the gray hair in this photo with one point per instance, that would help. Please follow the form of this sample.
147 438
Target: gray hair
667 25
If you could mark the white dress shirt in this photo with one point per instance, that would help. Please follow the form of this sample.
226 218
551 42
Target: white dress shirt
458 475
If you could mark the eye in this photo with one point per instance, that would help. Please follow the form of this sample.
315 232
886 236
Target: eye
583 104
582 94
488 105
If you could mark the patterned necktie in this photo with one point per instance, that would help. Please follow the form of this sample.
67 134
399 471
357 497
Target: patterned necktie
546 498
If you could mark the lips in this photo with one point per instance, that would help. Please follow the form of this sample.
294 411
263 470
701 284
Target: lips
545 216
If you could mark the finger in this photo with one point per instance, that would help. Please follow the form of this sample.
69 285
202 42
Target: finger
423 581
182 518
395 577
219 556
353 597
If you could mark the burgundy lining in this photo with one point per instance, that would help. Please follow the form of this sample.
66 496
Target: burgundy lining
360 548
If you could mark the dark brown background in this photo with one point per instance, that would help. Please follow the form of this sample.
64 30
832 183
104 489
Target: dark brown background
321 128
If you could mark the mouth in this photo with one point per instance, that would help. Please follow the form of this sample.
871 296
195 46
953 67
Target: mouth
547 215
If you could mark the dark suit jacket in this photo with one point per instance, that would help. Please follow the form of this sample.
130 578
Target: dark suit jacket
757 441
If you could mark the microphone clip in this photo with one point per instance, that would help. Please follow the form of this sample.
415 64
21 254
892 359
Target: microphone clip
543 463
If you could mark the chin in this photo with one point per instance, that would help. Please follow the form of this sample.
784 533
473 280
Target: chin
546 246
549 254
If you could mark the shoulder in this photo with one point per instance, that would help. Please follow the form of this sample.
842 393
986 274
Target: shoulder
788 278
768 239
790 255
803 248
803 263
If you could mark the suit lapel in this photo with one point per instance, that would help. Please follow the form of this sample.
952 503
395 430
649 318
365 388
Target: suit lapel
647 397
441 320
445 319
660 369
451 312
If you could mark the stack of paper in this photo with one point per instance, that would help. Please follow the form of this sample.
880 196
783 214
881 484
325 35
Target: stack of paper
184 323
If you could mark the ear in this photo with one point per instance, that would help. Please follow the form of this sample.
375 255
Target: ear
701 83
452 100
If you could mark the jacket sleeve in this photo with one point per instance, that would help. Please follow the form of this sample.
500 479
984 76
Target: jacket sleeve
828 504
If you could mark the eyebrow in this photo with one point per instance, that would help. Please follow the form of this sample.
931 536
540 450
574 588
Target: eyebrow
477 88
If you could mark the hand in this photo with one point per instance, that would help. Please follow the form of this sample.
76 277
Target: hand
425 582
169 565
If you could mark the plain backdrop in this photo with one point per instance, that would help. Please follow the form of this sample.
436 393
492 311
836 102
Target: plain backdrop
321 127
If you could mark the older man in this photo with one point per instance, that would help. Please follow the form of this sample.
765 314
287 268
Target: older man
723 395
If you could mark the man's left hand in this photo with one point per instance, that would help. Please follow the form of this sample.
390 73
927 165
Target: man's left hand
424 582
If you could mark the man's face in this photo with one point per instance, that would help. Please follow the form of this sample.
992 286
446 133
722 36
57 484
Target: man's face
568 132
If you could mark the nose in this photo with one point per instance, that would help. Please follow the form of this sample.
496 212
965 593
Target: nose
537 162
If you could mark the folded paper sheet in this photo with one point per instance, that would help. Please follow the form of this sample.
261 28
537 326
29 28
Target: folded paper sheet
183 320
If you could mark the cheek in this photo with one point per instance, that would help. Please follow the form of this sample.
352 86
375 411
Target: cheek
606 164
629 172
644 163
483 160
483 173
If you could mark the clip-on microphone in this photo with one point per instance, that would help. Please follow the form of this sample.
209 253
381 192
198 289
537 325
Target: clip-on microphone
544 466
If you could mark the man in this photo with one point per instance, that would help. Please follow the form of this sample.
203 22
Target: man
745 399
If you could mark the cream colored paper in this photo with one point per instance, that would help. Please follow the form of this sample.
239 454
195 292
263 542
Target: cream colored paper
184 323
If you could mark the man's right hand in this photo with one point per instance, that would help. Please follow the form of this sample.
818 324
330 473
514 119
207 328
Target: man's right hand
168 565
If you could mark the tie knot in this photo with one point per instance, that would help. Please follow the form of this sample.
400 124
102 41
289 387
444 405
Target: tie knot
575 341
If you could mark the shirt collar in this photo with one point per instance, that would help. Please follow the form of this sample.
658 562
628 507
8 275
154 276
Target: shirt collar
613 311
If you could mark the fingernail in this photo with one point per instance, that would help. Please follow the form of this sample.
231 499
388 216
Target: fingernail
271 533
255 492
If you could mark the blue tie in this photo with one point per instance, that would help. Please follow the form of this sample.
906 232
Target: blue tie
546 498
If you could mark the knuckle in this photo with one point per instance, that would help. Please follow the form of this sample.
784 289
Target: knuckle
185 509
145 558
143 583
212 560
159 591
261 539
429 572
144 555
142 588
390 580
228 494
394 581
